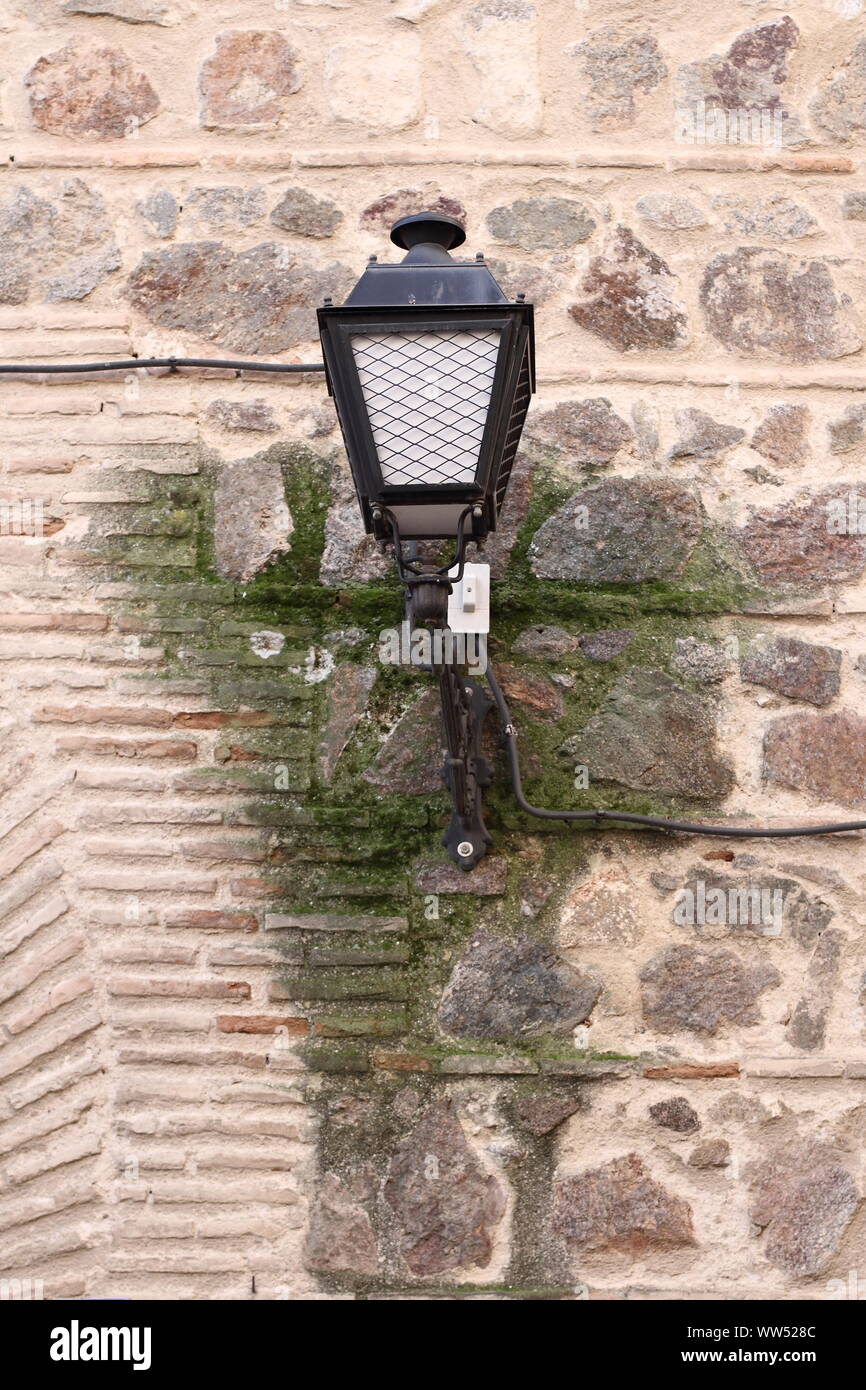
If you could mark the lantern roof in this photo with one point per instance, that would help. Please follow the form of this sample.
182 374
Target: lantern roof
428 275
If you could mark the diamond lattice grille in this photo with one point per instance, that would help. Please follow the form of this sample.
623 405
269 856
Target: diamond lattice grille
427 397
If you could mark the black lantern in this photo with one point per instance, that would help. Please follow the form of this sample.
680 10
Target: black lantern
431 369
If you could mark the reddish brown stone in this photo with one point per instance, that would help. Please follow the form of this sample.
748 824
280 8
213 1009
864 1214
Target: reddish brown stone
621 1207
797 669
488 879
760 302
630 303
248 80
381 215
340 1239
541 1114
805 1199
696 990
822 754
795 544
533 692
783 435
89 91
443 1201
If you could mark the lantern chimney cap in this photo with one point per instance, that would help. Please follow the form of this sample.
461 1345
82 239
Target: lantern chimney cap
428 229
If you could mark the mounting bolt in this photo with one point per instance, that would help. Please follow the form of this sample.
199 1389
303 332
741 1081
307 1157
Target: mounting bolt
371 260
327 301
465 849
479 255
521 298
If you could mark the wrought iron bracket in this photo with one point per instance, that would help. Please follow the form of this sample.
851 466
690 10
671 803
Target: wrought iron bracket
466 771
465 704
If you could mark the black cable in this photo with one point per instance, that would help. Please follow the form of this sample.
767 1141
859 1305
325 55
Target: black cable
54 368
631 817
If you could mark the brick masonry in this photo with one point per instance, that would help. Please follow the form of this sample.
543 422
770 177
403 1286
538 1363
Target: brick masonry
257 1039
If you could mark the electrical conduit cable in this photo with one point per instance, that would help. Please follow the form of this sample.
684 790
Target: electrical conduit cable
632 818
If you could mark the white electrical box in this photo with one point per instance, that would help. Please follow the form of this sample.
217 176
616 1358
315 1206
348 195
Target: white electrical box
469 600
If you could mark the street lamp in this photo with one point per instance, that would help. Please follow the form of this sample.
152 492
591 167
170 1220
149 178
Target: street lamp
431 369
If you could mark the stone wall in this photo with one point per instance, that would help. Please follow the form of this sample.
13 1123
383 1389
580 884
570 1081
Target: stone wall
257 1037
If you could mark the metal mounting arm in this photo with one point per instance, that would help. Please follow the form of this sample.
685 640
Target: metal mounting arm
465 705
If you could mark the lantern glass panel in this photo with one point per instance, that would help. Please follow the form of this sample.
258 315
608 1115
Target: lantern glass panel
427 396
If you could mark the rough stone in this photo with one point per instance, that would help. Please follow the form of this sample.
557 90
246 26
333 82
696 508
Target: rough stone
56 249
783 435
676 1114
539 223
849 432
410 759
589 433
620 1206
534 693
225 207
607 644
538 283
340 1238
251 416
775 218
804 1199
854 207
367 84
713 1153
692 989
350 556
652 735
259 301
444 1222
498 547
542 643
488 879
673 213
800 670
510 988
838 109
619 531
159 210
762 303
248 80
348 693
302 213
252 523
380 215
645 419
534 894
630 300
616 65
699 661
500 39
702 437
821 754
541 1114
599 912
795 546
748 78
808 1023
86 91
